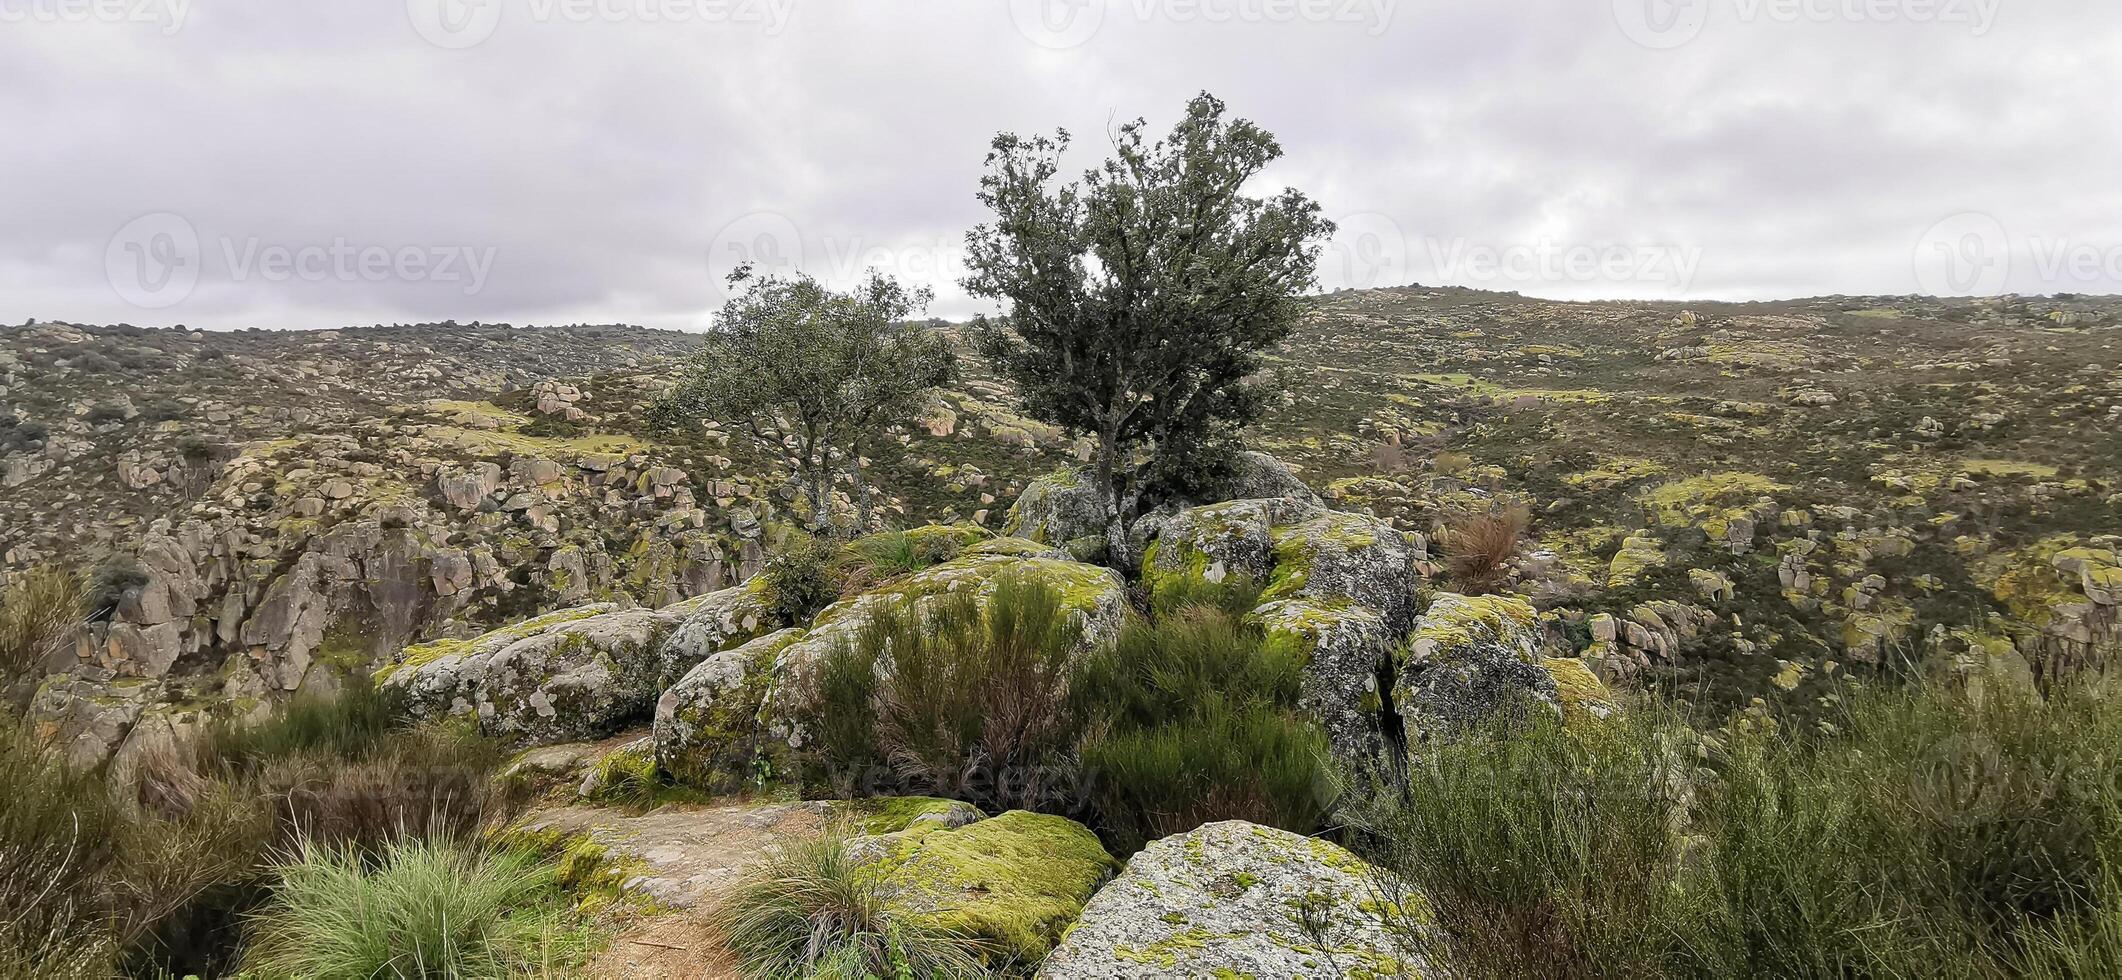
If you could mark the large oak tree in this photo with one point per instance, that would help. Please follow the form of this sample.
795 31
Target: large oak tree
1141 298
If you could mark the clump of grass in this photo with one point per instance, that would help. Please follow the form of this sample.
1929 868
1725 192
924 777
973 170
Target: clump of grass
419 909
37 610
814 910
1479 546
877 558
1193 718
1929 831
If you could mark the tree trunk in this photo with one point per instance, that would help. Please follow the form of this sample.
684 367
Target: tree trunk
1119 549
862 498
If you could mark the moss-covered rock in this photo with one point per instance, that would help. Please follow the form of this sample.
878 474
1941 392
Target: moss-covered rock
1016 880
1471 658
1221 541
1713 502
713 729
1237 899
1349 557
1056 508
1345 647
716 622
570 676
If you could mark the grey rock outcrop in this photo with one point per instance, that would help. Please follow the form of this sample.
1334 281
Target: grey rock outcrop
1236 899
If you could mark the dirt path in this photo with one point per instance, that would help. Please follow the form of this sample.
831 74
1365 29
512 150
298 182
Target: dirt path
690 853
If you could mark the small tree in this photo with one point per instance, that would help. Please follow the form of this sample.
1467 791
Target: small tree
1142 298
814 375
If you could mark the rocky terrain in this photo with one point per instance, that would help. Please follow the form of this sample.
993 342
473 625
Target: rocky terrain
1744 501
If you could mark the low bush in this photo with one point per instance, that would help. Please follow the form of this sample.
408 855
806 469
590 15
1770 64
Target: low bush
1480 545
1193 718
812 909
419 909
803 577
1929 832
971 704
37 610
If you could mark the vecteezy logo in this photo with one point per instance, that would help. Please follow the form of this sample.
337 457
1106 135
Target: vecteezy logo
764 240
454 24
1057 24
1661 24
1968 254
153 262
1368 251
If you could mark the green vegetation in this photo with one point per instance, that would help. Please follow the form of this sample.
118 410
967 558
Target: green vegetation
973 703
1148 348
419 909
1193 718
1935 832
36 610
813 910
814 376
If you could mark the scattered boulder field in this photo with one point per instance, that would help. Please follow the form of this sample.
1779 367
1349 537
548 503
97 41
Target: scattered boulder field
1739 505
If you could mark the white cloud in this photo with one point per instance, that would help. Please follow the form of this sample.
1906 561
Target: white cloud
601 157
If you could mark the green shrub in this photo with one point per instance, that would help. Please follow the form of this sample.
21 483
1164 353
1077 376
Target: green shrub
813 910
1930 833
420 909
973 704
803 577
1193 718
877 558
36 611
1543 850
107 585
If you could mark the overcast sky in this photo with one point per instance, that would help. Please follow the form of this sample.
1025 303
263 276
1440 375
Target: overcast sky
230 163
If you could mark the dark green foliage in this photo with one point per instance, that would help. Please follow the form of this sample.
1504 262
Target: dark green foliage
972 705
1193 719
1933 834
879 557
1141 299
803 577
813 375
349 725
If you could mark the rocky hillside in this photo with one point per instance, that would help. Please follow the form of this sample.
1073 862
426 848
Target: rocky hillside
1743 500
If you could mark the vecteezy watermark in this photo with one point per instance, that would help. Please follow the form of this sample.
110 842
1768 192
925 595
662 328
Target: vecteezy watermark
459 24
1368 251
1972 254
1665 24
1061 24
1545 262
156 260
771 244
168 15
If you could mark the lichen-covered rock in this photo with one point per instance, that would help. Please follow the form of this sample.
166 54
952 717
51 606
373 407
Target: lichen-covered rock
575 674
712 729
1351 557
1055 509
85 721
1257 475
713 623
1345 646
1220 541
1016 880
1236 899
1473 657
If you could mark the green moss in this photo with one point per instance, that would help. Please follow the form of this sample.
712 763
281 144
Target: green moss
1018 879
1639 554
590 872
1460 622
1710 502
423 654
1581 692
892 814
